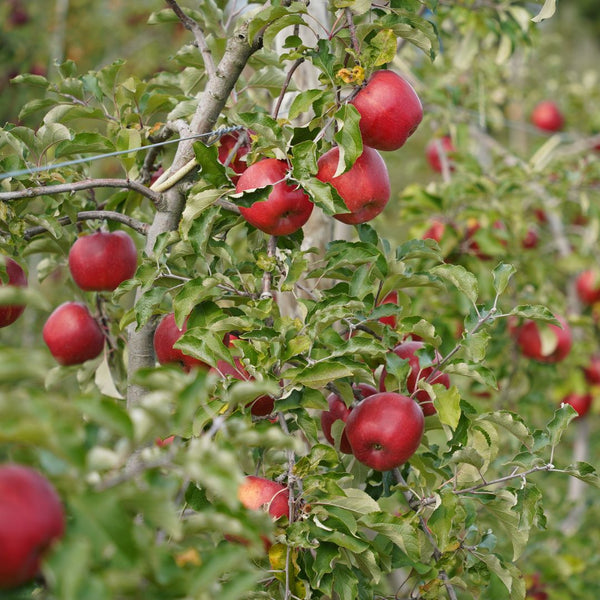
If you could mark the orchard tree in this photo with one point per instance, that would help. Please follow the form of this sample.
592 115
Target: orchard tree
260 349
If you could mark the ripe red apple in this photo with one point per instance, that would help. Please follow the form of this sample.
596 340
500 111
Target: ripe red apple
257 492
31 520
364 188
580 402
18 15
547 116
385 430
286 209
9 313
592 371
226 145
587 285
531 239
391 298
390 110
529 340
435 231
165 336
339 411
101 261
434 150
408 350
72 334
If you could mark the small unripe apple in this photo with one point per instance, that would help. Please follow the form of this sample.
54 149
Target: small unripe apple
587 285
364 188
9 313
408 350
287 207
258 492
339 411
72 334
438 147
557 344
580 402
390 110
165 336
31 520
385 430
101 261
547 116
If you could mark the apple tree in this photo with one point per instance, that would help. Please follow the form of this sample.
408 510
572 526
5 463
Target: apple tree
266 351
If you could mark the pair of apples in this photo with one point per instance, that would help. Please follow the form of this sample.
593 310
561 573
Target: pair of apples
390 111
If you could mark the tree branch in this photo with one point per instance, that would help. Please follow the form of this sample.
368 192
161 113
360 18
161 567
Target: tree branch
87 184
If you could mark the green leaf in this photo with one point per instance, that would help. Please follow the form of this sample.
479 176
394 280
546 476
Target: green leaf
356 501
559 423
474 371
512 423
447 405
197 203
502 274
585 472
400 531
468 456
84 143
381 49
536 312
464 280
211 170
303 102
348 137
319 374
507 573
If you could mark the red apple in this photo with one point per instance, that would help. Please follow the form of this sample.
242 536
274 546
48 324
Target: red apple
165 336
18 15
391 298
31 520
257 492
364 188
226 145
408 351
580 402
390 110
339 411
587 285
102 261
9 313
435 231
592 371
547 116
72 334
385 430
529 340
437 148
530 240
286 209
472 245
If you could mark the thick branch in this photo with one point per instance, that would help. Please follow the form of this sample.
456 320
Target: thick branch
88 184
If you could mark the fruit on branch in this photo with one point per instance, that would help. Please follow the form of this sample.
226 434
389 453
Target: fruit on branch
226 145
385 430
258 492
496 232
339 411
391 298
165 336
31 520
546 342
580 402
408 351
287 207
390 110
438 150
535 588
72 334
9 313
435 231
587 285
18 15
364 188
531 239
547 116
592 371
101 261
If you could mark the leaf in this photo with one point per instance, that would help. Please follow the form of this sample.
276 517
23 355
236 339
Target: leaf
536 312
507 573
544 154
559 423
468 456
447 405
502 274
546 11
400 531
512 423
474 371
319 374
303 102
464 280
211 170
84 143
348 137
381 49
584 472
356 501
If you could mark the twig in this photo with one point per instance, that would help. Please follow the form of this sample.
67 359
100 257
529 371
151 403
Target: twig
267 278
86 184
285 86
352 29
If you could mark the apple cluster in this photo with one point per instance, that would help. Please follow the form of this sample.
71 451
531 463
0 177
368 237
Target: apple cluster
390 112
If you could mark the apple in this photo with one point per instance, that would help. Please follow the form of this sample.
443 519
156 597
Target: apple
435 231
580 402
9 313
547 116
587 285
408 350
390 110
531 239
535 589
226 145
364 188
339 411
31 520
592 371
287 207
101 261
18 15
257 492
558 339
434 150
72 334
391 298
472 246
165 336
